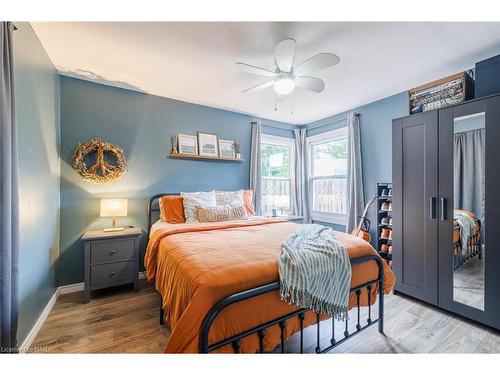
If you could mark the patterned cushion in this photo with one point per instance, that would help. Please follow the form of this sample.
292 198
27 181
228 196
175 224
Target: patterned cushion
221 213
229 198
191 200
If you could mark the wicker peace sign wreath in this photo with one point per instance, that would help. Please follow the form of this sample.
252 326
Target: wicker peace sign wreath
104 170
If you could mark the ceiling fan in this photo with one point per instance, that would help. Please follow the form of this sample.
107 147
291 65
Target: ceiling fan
286 77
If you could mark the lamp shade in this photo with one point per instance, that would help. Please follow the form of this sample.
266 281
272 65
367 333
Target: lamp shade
113 207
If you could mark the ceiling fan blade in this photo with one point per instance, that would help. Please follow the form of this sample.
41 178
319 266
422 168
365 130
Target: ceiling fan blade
259 87
317 62
310 83
284 53
247 68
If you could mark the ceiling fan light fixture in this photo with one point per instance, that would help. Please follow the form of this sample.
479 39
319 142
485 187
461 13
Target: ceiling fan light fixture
284 86
286 76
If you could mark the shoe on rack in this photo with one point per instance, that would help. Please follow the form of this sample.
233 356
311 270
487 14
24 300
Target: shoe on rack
385 221
389 192
384 248
385 206
390 235
384 193
389 249
390 207
390 221
385 234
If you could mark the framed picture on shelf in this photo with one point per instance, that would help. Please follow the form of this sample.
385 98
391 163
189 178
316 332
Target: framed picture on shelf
187 144
226 149
207 144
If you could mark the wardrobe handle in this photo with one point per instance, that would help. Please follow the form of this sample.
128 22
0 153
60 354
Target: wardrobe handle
443 208
433 207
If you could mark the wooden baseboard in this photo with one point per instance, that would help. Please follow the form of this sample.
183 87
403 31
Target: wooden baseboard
64 289
24 347
71 288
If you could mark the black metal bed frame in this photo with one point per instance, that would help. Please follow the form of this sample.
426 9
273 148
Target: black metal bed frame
260 330
459 260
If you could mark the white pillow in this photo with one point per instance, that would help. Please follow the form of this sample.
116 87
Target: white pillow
200 198
229 198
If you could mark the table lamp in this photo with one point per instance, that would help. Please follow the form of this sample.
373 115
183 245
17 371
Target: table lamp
113 208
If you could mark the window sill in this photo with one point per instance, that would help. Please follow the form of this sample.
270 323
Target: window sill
329 218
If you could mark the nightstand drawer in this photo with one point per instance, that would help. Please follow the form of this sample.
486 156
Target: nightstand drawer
112 250
111 272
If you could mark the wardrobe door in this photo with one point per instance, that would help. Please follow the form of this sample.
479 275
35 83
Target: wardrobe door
415 175
469 180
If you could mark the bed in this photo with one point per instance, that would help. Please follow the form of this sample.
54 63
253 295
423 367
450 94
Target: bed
219 285
466 237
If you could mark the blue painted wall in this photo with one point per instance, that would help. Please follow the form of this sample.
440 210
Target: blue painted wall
142 125
37 112
376 140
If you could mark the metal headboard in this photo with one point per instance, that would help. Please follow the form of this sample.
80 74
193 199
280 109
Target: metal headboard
154 208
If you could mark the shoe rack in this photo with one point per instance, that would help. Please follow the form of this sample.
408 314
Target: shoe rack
384 221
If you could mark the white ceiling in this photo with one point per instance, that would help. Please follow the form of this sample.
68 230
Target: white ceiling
195 62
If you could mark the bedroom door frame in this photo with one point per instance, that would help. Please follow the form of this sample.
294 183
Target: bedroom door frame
491 107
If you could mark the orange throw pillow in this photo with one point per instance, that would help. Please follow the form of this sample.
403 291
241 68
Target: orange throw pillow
248 202
172 209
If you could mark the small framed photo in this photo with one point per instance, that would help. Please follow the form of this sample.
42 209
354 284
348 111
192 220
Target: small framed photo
226 149
187 144
207 144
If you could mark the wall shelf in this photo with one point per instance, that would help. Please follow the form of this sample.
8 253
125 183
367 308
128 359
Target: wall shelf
201 157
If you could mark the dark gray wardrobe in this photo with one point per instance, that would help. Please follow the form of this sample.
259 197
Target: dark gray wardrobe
446 208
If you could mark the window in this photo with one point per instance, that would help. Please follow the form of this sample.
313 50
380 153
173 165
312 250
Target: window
327 176
277 158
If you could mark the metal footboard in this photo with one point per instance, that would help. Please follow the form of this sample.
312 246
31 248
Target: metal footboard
234 341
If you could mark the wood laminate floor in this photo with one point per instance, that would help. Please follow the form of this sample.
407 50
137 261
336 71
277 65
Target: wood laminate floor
121 321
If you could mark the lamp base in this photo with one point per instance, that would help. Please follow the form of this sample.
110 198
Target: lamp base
113 229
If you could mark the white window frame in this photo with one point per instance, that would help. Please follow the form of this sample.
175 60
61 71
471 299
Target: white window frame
287 142
328 136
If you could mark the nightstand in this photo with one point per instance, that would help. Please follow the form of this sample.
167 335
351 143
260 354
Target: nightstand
294 218
111 259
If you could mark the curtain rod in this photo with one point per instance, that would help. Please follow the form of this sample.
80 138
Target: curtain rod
275 126
315 127
333 122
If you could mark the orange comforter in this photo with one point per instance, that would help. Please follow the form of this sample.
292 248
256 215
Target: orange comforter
196 265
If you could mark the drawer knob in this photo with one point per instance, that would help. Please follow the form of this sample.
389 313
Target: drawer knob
112 274
112 252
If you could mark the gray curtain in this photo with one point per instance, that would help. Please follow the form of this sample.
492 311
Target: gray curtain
9 202
355 197
255 167
468 164
301 196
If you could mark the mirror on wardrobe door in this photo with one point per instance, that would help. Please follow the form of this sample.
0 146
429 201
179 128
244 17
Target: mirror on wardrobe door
469 244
